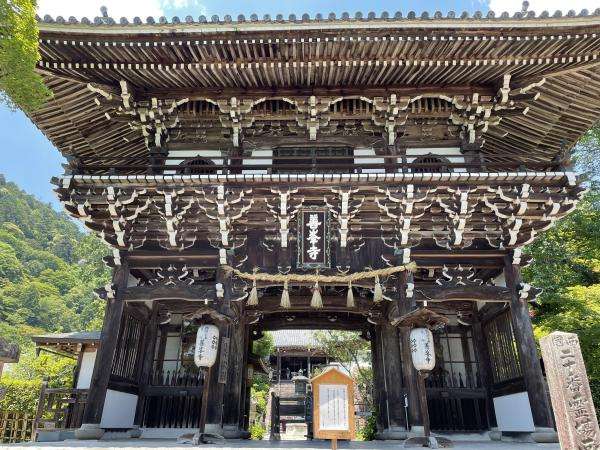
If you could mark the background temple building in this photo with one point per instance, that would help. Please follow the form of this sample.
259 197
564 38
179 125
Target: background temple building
319 173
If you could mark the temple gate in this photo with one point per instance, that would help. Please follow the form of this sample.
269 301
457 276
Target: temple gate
271 174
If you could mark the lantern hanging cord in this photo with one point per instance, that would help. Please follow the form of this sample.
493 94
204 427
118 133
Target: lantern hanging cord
314 278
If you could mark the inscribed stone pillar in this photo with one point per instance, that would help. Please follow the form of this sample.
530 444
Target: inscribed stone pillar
570 393
90 428
528 356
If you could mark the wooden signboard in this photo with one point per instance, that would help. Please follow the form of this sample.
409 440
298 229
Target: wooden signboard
333 406
313 238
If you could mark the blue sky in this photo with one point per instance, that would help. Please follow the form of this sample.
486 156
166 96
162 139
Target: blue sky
30 160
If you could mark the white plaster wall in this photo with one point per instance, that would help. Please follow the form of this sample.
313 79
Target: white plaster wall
500 280
87 368
171 353
362 152
513 412
119 410
132 281
214 155
266 158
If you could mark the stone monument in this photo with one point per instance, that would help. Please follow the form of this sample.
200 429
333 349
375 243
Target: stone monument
570 393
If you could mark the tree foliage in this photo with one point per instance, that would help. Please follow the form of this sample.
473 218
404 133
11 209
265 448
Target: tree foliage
567 266
20 85
48 271
354 354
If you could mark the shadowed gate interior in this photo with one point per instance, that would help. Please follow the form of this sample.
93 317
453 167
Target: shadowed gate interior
459 397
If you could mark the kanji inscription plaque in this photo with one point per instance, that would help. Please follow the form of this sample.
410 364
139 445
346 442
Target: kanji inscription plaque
313 238
570 393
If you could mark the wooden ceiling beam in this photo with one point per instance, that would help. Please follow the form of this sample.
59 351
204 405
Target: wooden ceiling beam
355 90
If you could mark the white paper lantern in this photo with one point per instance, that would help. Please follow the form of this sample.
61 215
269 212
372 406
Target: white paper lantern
207 344
422 349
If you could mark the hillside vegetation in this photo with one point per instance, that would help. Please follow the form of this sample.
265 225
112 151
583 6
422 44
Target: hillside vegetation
48 270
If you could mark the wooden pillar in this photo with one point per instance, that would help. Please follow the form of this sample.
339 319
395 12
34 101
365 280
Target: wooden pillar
233 406
484 367
390 365
216 389
247 389
379 394
526 346
90 428
77 370
149 347
409 373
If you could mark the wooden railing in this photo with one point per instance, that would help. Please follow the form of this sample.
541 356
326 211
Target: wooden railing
300 164
15 427
60 409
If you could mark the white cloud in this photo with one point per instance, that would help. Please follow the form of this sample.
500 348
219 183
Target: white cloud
119 8
511 6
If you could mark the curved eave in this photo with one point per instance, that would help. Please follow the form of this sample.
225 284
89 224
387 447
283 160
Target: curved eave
568 178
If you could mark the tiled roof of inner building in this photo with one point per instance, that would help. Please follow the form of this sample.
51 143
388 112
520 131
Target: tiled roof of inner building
295 339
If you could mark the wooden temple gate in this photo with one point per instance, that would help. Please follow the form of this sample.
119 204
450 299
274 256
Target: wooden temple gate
334 173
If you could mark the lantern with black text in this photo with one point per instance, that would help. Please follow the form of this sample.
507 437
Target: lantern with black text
207 344
422 349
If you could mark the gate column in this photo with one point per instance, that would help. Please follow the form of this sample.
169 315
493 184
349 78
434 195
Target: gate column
528 355
409 373
234 389
388 376
92 414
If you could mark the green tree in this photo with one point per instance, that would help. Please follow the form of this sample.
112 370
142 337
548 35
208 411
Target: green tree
567 267
11 268
263 347
354 353
20 85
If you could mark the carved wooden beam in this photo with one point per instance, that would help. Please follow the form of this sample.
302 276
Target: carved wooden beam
484 293
192 293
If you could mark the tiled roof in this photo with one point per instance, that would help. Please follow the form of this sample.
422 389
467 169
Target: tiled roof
358 17
295 339
75 336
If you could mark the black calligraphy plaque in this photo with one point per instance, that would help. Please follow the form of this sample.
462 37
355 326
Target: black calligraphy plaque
224 363
313 238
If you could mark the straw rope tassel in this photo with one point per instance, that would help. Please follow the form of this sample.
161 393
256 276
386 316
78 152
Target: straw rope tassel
285 296
316 301
378 291
350 303
253 297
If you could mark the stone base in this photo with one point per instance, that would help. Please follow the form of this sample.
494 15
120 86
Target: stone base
540 435
495 434
89 431
234 432
430 442
393 434
135 432
545 436
416 431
